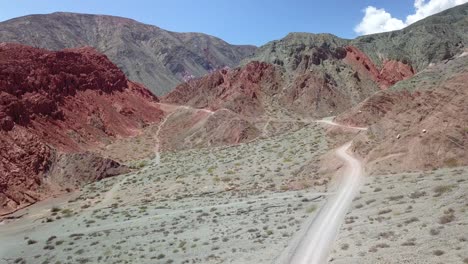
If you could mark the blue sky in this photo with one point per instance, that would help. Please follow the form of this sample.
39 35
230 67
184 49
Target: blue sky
238 22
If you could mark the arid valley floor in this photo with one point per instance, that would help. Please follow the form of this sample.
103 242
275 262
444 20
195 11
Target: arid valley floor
243 204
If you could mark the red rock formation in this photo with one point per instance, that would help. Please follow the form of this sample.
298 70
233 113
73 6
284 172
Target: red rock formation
391 72
64 101
417 129
394 71
239 90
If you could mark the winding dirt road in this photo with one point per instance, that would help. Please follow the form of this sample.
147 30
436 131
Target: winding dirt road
331 123
315 244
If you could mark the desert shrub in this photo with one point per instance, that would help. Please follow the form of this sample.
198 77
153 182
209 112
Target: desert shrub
67 212
19 260
441 189
451 162
408 244
395 198
438 252
446 218
384 211
411 220
31 241
434 231
83 260
311 209
382 245
417 194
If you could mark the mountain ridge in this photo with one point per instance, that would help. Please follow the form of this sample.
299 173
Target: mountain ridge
158 58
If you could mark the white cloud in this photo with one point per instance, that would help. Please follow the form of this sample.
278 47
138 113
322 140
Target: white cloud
378 20
427 8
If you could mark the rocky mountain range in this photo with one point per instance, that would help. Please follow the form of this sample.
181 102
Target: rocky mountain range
157 58
147 127
399 83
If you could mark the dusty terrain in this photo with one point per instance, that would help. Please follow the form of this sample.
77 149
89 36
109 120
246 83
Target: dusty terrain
238 204
234 167
418 217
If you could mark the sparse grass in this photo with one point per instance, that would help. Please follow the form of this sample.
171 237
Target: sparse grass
384 211
411 220
449 216
395 198
311 209
439 190
408 244
417 194
153 188
434 231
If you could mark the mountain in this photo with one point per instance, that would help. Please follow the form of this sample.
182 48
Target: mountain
304 75
147 54
398 83
419 124
56 107
430 40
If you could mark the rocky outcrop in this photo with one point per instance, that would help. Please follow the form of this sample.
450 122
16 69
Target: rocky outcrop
71 170
60 102
391 72
241 90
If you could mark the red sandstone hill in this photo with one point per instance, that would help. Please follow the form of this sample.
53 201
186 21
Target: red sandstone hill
419 124
241 90
55 103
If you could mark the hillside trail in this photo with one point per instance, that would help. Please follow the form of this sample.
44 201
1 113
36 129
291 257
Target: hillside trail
171 110
314 244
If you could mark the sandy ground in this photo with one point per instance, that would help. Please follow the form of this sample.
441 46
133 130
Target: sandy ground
239 204
419 217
